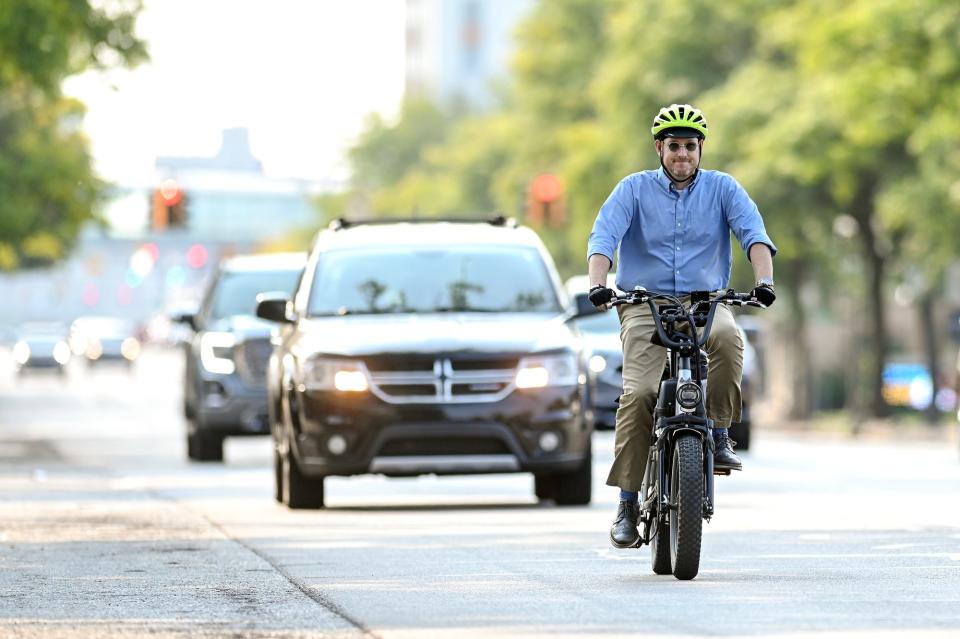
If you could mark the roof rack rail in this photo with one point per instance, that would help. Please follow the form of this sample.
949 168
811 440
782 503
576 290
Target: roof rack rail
341 223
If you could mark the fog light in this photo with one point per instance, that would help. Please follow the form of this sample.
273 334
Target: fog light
337 444
549 441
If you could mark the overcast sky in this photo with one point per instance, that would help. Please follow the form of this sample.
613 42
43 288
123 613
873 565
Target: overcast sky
301 75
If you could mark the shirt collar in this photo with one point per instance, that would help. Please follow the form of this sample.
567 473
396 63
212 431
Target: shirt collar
668 184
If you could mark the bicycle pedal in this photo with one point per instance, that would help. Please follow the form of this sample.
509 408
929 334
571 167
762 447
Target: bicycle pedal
722 471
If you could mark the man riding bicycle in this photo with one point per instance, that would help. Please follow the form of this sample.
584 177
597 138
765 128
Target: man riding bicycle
672 227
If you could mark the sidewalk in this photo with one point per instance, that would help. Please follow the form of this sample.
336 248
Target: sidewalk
840 426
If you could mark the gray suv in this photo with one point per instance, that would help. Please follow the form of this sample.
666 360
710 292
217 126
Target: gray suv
226 359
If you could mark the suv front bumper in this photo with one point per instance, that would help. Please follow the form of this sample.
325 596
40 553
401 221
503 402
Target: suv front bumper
228 405
537 430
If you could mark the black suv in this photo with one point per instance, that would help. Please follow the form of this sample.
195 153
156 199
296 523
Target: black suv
226 360
427 347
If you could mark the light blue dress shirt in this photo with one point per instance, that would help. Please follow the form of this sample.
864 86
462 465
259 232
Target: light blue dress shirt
674 241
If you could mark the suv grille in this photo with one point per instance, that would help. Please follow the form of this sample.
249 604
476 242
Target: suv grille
252 358
460 378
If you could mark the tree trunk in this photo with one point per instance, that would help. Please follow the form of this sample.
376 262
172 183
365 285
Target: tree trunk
928 328
862 208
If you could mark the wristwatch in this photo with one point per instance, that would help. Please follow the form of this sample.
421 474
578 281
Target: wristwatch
765 281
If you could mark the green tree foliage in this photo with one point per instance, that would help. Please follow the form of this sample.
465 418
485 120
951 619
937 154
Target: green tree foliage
47 185
865 140
837 116
387 152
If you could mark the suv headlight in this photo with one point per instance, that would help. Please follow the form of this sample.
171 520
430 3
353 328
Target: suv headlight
216 352
547 370
318 373
21 352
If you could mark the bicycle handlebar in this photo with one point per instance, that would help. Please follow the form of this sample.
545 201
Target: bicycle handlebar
728 296
678 312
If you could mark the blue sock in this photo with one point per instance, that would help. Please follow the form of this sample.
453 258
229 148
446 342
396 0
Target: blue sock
717 432
628 495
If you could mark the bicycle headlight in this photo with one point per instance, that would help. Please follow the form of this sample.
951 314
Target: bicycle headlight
216 352
689 396
547 370
318 373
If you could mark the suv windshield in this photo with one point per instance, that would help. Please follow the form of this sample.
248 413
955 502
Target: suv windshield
236 291
486 279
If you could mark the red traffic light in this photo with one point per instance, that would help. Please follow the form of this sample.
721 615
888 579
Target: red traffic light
546 187
170 193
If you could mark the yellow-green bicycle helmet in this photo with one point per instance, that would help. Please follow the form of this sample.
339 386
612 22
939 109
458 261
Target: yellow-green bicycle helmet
679 121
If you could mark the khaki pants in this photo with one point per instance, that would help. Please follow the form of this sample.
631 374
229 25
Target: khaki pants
643 364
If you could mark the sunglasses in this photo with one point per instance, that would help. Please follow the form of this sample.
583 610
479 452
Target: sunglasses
675 146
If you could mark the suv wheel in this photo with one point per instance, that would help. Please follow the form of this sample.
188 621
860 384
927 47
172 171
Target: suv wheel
574 489
567 489
277 475
298 490
203 446
740 433
543 486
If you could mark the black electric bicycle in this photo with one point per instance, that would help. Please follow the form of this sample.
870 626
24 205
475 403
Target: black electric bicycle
676 494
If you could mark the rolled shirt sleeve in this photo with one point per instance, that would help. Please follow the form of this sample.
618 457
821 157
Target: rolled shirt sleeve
743 217
613 221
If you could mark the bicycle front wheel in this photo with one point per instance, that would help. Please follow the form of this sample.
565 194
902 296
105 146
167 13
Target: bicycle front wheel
686 506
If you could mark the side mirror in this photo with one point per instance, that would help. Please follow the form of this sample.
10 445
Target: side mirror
273 307
582 305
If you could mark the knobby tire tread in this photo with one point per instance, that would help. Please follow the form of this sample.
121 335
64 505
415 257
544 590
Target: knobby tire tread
688 495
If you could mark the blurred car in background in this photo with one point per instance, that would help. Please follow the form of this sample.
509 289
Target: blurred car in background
226 358
41 346
105 339
603 352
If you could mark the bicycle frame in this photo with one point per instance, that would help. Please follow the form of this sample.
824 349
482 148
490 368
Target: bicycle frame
686 365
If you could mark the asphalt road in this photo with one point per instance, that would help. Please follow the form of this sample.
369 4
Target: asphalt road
106 531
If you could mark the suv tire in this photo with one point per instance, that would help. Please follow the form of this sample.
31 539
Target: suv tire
277 476
568 489
203 446
297 490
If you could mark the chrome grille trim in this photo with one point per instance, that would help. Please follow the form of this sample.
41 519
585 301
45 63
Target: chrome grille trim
442 379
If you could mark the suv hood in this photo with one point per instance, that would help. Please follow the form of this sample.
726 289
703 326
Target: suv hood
436 333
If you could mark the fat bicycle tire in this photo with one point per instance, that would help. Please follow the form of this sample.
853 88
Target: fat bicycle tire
686 512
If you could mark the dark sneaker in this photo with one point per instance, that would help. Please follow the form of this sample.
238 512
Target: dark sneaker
623 532
723 456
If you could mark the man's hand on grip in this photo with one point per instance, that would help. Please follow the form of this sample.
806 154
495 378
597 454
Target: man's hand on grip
600 296
764 294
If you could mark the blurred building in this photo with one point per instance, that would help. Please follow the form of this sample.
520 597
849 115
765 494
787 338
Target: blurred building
228 197
457 50
162 239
